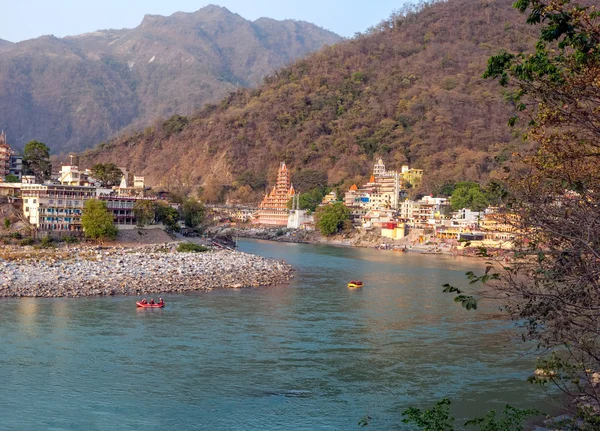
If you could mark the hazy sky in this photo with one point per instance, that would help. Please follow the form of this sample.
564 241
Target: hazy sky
26 19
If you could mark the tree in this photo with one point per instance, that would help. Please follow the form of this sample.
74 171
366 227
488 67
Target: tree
468 195
311 200
552 284
36 161
193 212
167 215
330 219
309 179
107 173
10 178
97 221
144 211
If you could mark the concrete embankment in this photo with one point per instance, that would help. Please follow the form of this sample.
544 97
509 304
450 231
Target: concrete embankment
91 271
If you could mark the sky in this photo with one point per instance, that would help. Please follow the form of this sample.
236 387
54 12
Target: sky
27 19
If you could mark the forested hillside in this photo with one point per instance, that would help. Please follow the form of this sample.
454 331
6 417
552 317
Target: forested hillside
75 92
409 90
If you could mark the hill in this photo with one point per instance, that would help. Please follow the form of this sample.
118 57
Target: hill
72 93
5 43
409 90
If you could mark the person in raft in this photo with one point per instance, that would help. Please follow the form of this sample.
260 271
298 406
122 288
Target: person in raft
151 301
144 301
160 301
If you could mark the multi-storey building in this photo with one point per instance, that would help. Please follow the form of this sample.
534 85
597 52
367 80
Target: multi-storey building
421 213
5 153
122 208
411 176
70 175
16 166
273 210
55 207
381 192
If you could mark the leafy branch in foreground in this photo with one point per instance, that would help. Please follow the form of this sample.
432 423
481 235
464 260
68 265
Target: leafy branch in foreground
438 418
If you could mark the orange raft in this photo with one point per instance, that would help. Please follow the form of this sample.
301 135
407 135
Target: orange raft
160 305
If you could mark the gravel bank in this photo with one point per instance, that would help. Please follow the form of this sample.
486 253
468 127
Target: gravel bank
93 271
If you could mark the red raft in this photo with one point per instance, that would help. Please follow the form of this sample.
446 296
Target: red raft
139 304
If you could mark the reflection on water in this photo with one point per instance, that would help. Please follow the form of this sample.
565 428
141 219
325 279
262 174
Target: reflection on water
309 355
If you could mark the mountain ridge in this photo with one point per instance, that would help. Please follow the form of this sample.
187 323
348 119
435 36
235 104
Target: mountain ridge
409 91
77 91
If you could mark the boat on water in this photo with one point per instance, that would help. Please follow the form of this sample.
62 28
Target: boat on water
142 305
355 284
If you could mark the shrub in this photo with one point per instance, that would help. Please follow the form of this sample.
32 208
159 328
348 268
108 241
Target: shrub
47 242
70 239
27 241
16 235
188 247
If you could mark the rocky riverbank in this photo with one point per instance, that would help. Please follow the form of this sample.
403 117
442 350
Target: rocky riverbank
93 271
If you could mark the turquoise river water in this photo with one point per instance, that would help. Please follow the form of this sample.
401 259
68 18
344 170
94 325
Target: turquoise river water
312 355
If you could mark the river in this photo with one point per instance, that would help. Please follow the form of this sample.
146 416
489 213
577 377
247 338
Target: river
312 355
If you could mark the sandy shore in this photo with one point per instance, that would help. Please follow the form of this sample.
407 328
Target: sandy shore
89 271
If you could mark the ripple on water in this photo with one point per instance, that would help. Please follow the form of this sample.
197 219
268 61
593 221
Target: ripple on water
311 355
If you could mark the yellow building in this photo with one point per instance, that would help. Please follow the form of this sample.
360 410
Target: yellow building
411 176
393 230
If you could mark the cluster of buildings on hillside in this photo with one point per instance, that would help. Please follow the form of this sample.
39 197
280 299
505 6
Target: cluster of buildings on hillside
382 203
56 205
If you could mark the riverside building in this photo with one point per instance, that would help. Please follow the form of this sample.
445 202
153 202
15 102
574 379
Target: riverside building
382 191
273 210
55 207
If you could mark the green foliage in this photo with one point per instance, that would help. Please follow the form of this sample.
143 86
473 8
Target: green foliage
16 235
309 179
438 418
511 419
144 211
330 219
97 221
193 213
175 124
36 160
310 201
364 421
69 239
468 195
333 111
6 223
107 173
435 419
27 241
256 180
47 242
167 215
446 190
188 247
10 178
